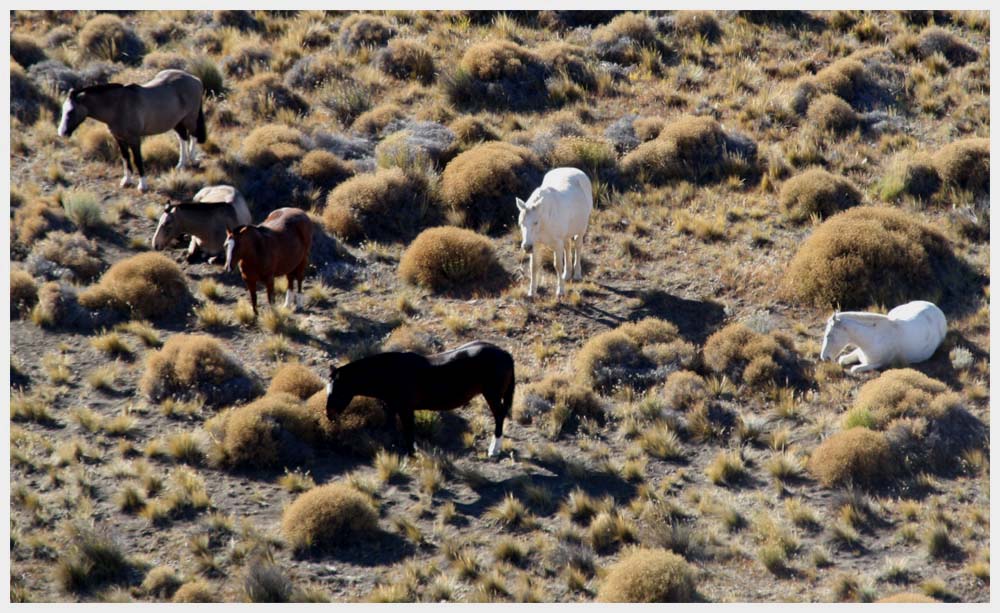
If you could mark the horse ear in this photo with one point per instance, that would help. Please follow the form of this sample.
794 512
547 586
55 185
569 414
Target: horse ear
520 204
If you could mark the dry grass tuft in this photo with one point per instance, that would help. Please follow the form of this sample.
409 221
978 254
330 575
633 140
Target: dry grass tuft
193 364
106 37
23 292
386 205
649 575
557 403
324 169
832 113
684 389
908 598
360 30
297 380
271 144
873 255
264 96
195 591
452 259
406 59
326 516
817 192
910 175
34 220
62 250
481 183
965 164
898 393
635 355
751 357
144 286
855 456
933 40
91 559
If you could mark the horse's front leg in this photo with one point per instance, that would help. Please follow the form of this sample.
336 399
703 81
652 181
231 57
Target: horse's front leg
126 160
192 249
182 146
560 253
533 265
863 367
137 160
567 259
252 288
269 285
290 298
408 420
855 356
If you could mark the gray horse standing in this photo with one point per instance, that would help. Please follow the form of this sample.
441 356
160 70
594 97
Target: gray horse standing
172 100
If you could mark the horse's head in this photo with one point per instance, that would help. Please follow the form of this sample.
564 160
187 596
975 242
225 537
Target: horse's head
528 219
74 111
166 229
235 245
337 395
835 338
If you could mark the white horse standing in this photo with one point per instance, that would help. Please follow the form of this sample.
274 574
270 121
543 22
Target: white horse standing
910 333
556 215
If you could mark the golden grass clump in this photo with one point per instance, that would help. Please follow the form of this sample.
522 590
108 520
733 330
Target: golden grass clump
855 456
271 144
481 184
144 286
297 380
872 255
472 130
387 205
817 192
496 59
34 220
373 121
326 516
264 95
900 392
911 175
23 292
595 157
159 153
190 364
691 148
451 259
106 37
842 78
73 251
965 164
558 398
935 39
649 575
622 39
324 168
195 591
684 389
364 30
636 354
830 112
698 23
748 356
278 429
406 59
96 143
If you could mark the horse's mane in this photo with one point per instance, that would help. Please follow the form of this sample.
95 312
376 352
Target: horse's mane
100 88
200 206
862 316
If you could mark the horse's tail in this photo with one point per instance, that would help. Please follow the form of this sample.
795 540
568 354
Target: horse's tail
200 131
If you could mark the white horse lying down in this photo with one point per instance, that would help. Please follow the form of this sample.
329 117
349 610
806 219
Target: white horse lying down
910 333
556 215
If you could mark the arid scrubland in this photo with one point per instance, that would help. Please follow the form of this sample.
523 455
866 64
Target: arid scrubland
674 435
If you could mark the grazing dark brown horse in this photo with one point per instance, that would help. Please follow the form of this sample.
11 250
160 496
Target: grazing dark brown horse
170 101
278 247
409 382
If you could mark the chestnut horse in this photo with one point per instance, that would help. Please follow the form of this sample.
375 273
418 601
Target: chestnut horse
277 247
409 382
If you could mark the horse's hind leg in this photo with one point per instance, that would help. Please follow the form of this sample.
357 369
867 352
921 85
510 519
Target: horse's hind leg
408 421
126 160
577 266
290 298
500 404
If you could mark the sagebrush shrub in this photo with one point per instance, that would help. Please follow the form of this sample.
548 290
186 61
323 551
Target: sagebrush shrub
965 164
327 516
817 192
295 379
447 259
856 456
193 364
144 286
387 205
636 354
649 575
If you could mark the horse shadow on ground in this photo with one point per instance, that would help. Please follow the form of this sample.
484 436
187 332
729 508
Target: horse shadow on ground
378 549
695 319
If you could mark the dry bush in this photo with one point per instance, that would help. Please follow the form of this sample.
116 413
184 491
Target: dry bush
276 430
243 21
855 456
912 175
91 559
60 252
561 400
324 169
649 575
161 581
902 392
472 130
698 23
96 143
570 60
965 164
297 380
195 591
364 30
817 192
34 220
751 357
374 121
190 365
874 255
684 389
272 144
25 50
314 71
27 101
106 37
327 516
496 60
447 259
387 205
938 40
648 128
482 183
362 414
406 59
830 112
164 60
636 355
264 96
59 307
690 148
160 153
23 292
498 74
595 157
246 60
623 38
907 597
411 338
144 286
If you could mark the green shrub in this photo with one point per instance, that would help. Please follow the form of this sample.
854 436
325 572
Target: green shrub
83 209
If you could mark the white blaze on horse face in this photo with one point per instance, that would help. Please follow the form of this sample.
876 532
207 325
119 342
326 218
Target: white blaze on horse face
67 109
230 246
160 236
495 445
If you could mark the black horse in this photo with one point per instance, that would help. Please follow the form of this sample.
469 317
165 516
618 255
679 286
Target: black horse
409 382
